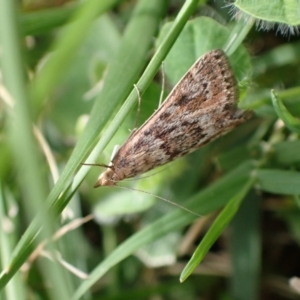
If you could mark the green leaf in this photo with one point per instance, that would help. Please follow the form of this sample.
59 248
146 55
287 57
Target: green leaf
99 47
122 202
63 49
191 43
278 181
287 152
285 54
275 11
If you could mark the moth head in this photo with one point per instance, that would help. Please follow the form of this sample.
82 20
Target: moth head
107 178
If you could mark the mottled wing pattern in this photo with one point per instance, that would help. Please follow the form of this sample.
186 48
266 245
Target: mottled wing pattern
201 107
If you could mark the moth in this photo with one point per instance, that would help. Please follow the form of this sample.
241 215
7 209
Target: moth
199 109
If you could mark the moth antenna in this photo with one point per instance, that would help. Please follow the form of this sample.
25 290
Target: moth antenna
96 165
146 176
139 106
162 83
161 198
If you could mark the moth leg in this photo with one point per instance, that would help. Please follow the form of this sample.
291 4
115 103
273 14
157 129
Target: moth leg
162 84
139 107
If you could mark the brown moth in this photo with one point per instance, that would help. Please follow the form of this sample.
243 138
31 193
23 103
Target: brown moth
200 108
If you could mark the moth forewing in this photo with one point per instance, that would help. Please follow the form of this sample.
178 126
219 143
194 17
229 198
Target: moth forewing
200 108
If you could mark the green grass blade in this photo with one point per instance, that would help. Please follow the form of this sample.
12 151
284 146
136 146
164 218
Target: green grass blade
237 35
142 27
34 23
216 229
26 155
245 250
8 238
210 199
291 122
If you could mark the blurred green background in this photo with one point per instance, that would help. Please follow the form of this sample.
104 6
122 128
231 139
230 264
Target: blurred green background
67 97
